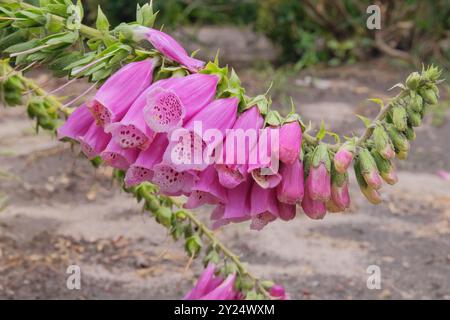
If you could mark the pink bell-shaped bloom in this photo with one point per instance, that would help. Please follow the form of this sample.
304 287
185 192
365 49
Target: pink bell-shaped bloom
225 291
142 169
169 47
192 146
118 93
237 209
118 157
278 292
339 191
207 190
177 100
344 156
265 170
290 190
318 181
263 206
286 211
94 141
238 144
290 142
314 209
172 182
77 124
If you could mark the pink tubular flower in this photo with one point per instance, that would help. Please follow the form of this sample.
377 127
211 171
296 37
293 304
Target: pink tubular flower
77 124
170 48
117 94
313 208
233 169
343 157
291 188
318 181
265 170
211 287
177 100
278 292
94 141
339 191
118 157
191 147
263 206
172 182
237 209
142 169
290 142
286 212
207 190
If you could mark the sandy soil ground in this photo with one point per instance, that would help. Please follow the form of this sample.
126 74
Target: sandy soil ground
60 211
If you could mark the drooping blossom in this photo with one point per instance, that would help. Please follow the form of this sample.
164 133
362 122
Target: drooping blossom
77 124
340 197
344 156
238 143
118 157
291 188
207 190
169 47
286 211
94 141
175 101
290 142
212 287
370 193
263 206
142 169
237 209
318 181
315 209
265 170
171 182
118 93
369 169
278 292
191 147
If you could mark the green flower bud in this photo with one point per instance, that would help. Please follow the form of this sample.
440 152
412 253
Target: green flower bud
410 134
400 118
429 95
48 123
398 139
386 168
414 118
415 101
193 245
369 169
36 108
371 194
432 73
383 143
413 80
402 155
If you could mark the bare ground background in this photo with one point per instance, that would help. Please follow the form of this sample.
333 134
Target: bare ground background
61 211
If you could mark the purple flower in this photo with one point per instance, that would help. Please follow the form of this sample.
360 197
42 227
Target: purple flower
278 292
212 287
290 142
207 190
319 180
94 141
118 93
142 169
314 209
191 147
170 48
263 206
286 211
77 124
172 182
118 157
290 190
233 169
175 101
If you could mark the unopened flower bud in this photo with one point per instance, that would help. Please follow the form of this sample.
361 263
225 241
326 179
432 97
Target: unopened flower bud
371 194
429 95
398 139
399 117
432 73
402 155
318 181
369 169
385 167
383 143
410 134
344 156
413 80
414 118
415 101
340 197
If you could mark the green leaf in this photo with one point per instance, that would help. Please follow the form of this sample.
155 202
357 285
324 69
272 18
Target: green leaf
102 23
322 132
367 122
378 102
